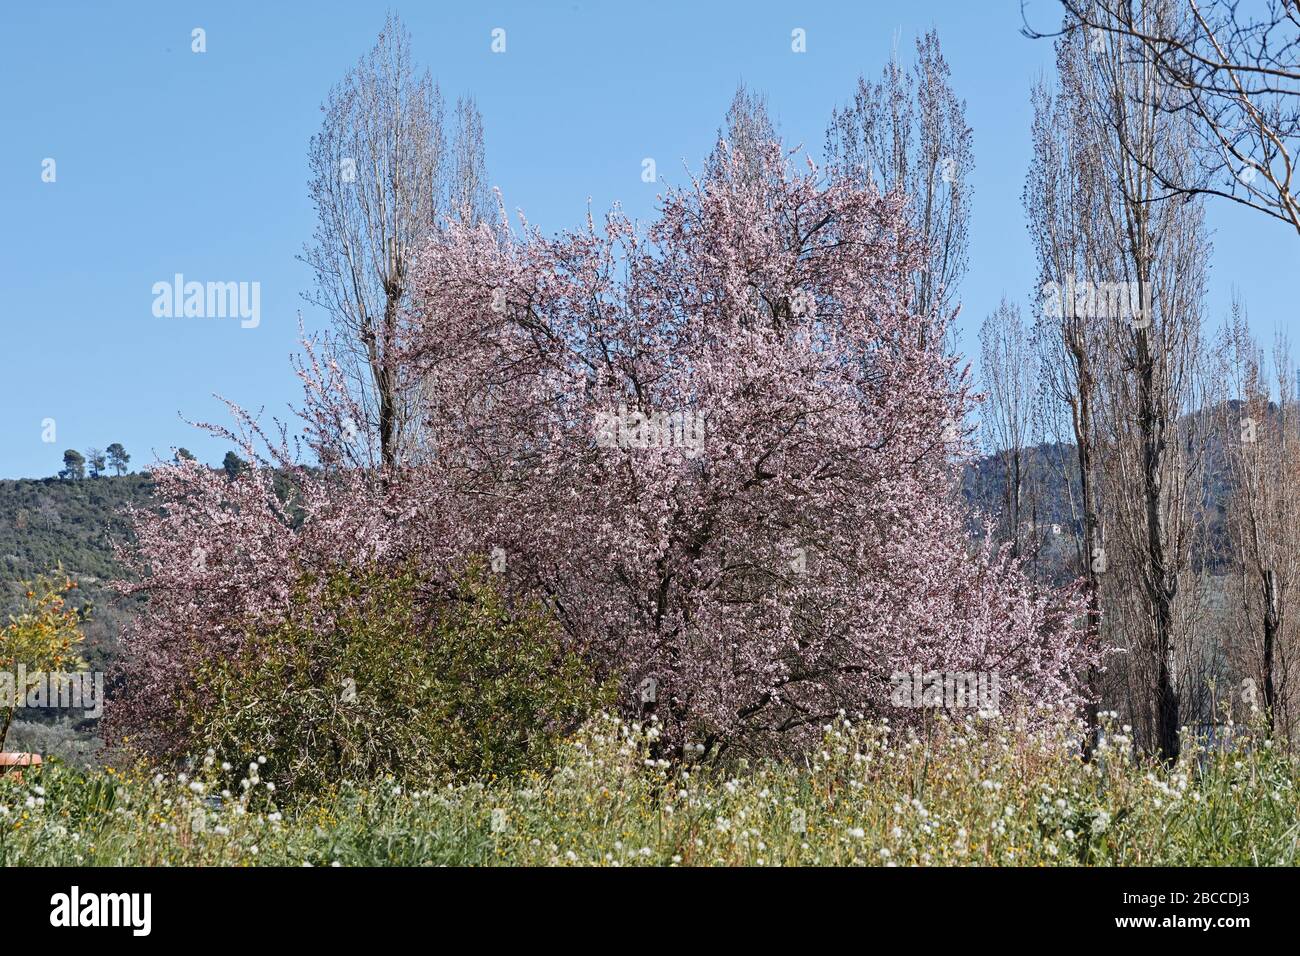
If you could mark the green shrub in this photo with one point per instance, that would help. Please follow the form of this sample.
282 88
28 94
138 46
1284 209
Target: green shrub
379 673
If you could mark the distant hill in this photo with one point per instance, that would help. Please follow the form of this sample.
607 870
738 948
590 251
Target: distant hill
47 521
1045 469
1049 471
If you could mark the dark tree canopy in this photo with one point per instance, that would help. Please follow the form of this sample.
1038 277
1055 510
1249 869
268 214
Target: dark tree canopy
74 465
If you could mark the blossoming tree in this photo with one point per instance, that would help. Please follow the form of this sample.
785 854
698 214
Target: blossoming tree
804 547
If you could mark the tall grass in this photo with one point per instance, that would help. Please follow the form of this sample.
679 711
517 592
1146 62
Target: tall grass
973 792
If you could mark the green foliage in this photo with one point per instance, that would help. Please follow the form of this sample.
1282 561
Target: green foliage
46 633
74 465
46 522
118 459
375 672
488 662
234 465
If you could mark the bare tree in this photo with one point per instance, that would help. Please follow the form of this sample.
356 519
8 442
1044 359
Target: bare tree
1234 70
96 461
1060 197
1154 254
1262 457
378 174
48 512
908 131
747 131
1008 378
1124 356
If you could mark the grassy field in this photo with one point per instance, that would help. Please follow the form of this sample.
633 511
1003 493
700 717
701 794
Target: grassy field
976 792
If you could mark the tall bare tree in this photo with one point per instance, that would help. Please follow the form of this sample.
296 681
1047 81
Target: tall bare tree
1129 276
469 196
908 131
1157 254
1262 458
1061 196
747 131
1008 378
379 176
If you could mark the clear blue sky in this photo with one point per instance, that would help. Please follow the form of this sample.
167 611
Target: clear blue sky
170 161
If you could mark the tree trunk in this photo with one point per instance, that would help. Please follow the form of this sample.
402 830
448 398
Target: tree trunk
1091 547
1151 425
380 353
1271 622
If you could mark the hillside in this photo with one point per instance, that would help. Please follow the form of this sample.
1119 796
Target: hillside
47 523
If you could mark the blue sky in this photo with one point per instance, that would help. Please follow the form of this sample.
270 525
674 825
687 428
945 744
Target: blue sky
169 161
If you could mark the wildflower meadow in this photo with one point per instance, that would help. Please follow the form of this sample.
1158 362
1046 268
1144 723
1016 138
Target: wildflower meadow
957 793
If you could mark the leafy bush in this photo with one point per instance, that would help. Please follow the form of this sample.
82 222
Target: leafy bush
377 672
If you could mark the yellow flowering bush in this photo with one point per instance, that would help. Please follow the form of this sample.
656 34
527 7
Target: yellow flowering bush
45 635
